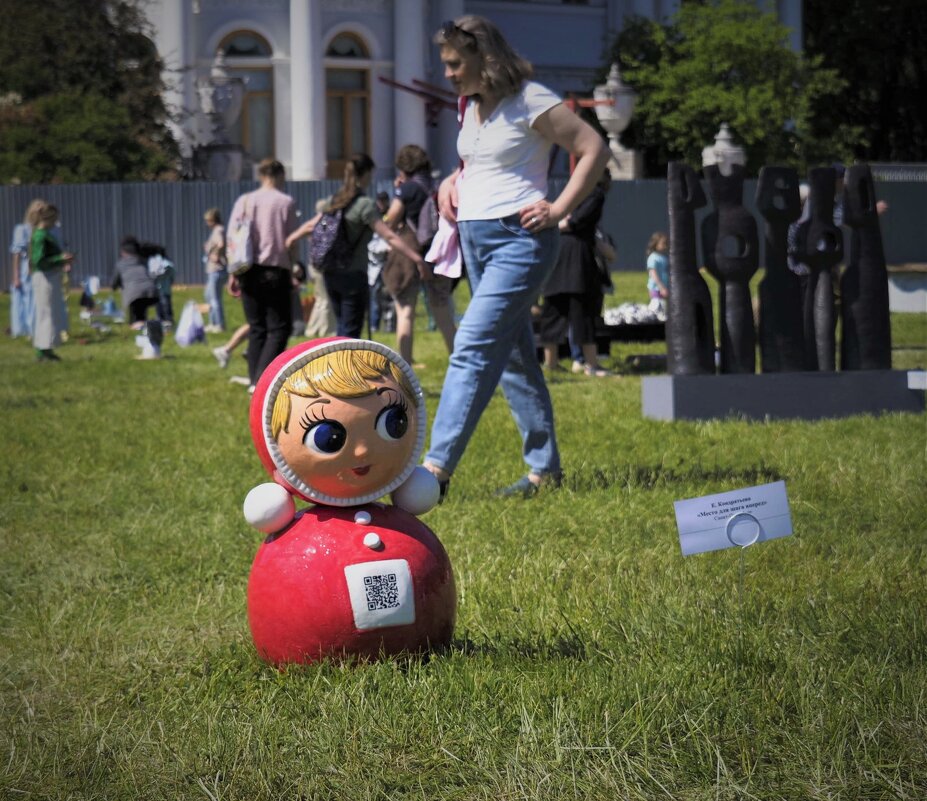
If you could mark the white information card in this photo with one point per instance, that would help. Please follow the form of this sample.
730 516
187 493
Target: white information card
737 518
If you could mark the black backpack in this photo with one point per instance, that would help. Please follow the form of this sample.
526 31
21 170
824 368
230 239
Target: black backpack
426 224
329 248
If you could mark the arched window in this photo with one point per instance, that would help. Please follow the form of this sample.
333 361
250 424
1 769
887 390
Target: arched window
347 92
247 56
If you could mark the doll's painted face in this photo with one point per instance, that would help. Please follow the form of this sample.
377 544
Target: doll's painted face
350 447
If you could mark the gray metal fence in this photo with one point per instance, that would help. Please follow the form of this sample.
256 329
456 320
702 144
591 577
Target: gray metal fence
96 216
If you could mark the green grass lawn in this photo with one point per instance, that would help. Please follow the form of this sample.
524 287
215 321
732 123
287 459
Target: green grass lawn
590 660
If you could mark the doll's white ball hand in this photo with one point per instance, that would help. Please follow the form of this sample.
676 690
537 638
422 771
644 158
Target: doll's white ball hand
269 508
419 493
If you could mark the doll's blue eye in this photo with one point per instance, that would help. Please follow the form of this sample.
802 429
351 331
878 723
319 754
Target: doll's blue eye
326 436
392 422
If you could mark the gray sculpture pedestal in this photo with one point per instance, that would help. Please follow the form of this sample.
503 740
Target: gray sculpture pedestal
907 288
804 396
219 162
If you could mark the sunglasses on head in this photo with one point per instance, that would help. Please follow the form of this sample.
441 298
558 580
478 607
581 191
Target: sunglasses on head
449 28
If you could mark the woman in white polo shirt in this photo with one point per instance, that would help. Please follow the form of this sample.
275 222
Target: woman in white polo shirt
509 238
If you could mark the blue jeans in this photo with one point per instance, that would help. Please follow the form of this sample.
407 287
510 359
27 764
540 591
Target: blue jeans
507 267
214 284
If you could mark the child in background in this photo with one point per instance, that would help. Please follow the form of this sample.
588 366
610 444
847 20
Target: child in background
658 272
161 270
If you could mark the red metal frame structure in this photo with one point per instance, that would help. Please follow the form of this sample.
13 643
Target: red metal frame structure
435 98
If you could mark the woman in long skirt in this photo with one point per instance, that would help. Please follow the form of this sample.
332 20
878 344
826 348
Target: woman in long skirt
48 261
22 307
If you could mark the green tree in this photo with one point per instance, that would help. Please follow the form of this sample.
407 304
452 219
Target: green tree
81 94
877 46
725 61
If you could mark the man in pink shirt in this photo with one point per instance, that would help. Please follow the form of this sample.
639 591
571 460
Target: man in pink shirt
266 287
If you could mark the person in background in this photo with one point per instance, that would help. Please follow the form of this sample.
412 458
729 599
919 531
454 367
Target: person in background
139 292
347 283
321 322
266 288
573 293
161 269
216 270
223 353
509 238
300 274
377 252
401 276
658 271
49 262
22 303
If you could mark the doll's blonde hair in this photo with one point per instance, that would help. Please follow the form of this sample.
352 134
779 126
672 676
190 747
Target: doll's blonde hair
342 374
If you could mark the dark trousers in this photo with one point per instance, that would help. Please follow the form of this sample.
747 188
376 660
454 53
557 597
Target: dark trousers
138 309
348 293
267 302
566 311
165 308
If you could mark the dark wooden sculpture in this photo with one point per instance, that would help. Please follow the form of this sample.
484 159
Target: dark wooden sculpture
690 342
820 245
782 341
866 343
730 247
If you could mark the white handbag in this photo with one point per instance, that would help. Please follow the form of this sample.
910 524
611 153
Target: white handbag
239 247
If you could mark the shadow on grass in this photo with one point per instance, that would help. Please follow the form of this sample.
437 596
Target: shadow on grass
644 477
644 363
592 477
564 646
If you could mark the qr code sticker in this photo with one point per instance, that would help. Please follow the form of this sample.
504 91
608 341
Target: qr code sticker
382 592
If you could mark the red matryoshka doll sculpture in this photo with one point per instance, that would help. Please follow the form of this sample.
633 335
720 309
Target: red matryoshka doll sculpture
341 423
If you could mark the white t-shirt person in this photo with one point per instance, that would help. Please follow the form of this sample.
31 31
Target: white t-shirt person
506 160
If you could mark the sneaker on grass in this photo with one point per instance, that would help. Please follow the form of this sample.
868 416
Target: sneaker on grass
222 356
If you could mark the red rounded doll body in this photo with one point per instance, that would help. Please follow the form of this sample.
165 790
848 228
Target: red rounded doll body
340 423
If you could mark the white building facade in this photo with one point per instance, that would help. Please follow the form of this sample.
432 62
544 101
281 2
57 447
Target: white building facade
313 93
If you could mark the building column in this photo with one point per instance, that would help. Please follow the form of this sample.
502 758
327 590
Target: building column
409 20
307 91
445 149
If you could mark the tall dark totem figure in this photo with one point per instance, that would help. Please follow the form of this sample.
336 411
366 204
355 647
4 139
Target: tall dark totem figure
690 342
782 340
820 246
730 248
866 343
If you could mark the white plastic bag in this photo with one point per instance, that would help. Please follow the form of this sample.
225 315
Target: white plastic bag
190 328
